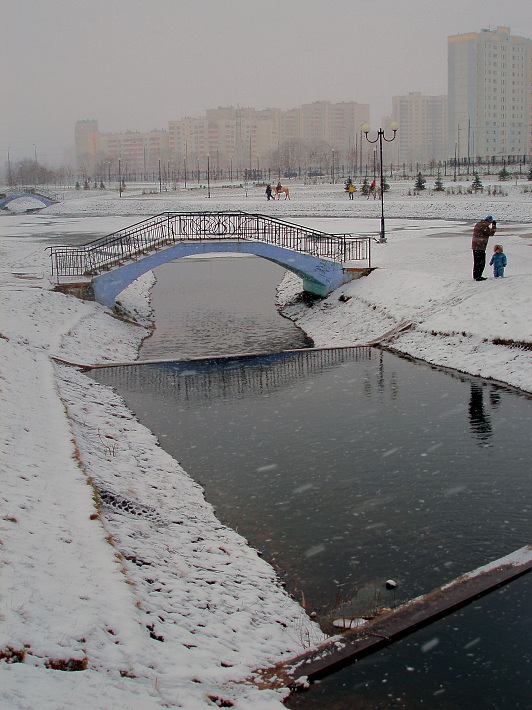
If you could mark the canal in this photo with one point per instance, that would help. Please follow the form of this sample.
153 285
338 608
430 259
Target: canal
346 468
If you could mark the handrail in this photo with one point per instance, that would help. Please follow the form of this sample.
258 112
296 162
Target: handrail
167 228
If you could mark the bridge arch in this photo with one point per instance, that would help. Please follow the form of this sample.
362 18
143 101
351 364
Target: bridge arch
322 260
6 199
319 277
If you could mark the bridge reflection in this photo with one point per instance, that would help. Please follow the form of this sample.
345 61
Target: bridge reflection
219 378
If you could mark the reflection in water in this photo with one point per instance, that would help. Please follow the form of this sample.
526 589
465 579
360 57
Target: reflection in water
479 419
346 452
347 468
227 378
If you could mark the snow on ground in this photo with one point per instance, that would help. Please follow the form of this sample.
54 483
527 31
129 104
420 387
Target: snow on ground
112 565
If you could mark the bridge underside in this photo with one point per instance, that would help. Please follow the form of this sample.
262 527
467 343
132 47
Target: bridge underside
320 276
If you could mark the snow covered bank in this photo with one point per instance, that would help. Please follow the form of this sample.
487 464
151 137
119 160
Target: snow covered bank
422 301
112 565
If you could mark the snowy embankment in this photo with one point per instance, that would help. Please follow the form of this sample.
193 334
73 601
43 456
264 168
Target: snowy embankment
422 301
112 564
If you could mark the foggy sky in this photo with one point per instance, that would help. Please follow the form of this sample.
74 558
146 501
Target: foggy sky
136 64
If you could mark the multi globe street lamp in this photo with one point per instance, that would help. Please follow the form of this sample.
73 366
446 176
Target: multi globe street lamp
380 137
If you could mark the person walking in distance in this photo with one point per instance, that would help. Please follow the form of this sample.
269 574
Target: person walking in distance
482 231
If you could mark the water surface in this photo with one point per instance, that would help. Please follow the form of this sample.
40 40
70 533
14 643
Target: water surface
346 468
215 306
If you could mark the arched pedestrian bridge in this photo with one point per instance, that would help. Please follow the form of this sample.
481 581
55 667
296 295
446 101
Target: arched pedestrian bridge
43 196
324 261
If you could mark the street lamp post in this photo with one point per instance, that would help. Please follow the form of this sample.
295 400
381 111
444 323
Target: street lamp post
208 175
380 137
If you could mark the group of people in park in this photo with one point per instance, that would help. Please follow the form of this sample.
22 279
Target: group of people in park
373 190
482 231
272 193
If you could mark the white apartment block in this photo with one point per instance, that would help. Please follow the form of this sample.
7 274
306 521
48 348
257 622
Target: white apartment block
490 94
232 139
138 153
422 135
87 141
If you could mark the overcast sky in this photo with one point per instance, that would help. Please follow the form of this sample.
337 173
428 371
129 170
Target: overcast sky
136 64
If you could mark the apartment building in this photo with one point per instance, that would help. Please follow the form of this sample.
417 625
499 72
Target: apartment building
422 120
138 153
233 138
490 94
87 142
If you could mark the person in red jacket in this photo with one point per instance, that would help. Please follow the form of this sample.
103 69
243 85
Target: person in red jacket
482 231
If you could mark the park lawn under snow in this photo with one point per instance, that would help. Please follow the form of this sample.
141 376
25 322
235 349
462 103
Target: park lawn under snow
112 564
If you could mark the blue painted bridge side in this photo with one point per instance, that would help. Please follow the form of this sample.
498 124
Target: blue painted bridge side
5 200
320 276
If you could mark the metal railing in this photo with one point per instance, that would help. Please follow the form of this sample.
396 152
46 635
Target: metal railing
52 196
163 230
40 192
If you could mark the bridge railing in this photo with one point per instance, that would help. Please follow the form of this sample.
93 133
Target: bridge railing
34 190
169 228
112 250
52 196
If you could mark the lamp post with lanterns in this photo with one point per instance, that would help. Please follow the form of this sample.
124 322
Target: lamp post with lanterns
380 137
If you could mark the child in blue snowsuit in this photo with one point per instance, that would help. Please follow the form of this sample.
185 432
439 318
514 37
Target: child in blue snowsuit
498 261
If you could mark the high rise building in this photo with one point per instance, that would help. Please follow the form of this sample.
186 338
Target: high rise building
87 143
422 135
231 139
490 95
140 154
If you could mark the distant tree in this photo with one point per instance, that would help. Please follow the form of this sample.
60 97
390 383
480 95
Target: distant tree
78 186
365 186
477 185
290 155
385 185
438 185
529 177
420 182
504 174
102 185
86 185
